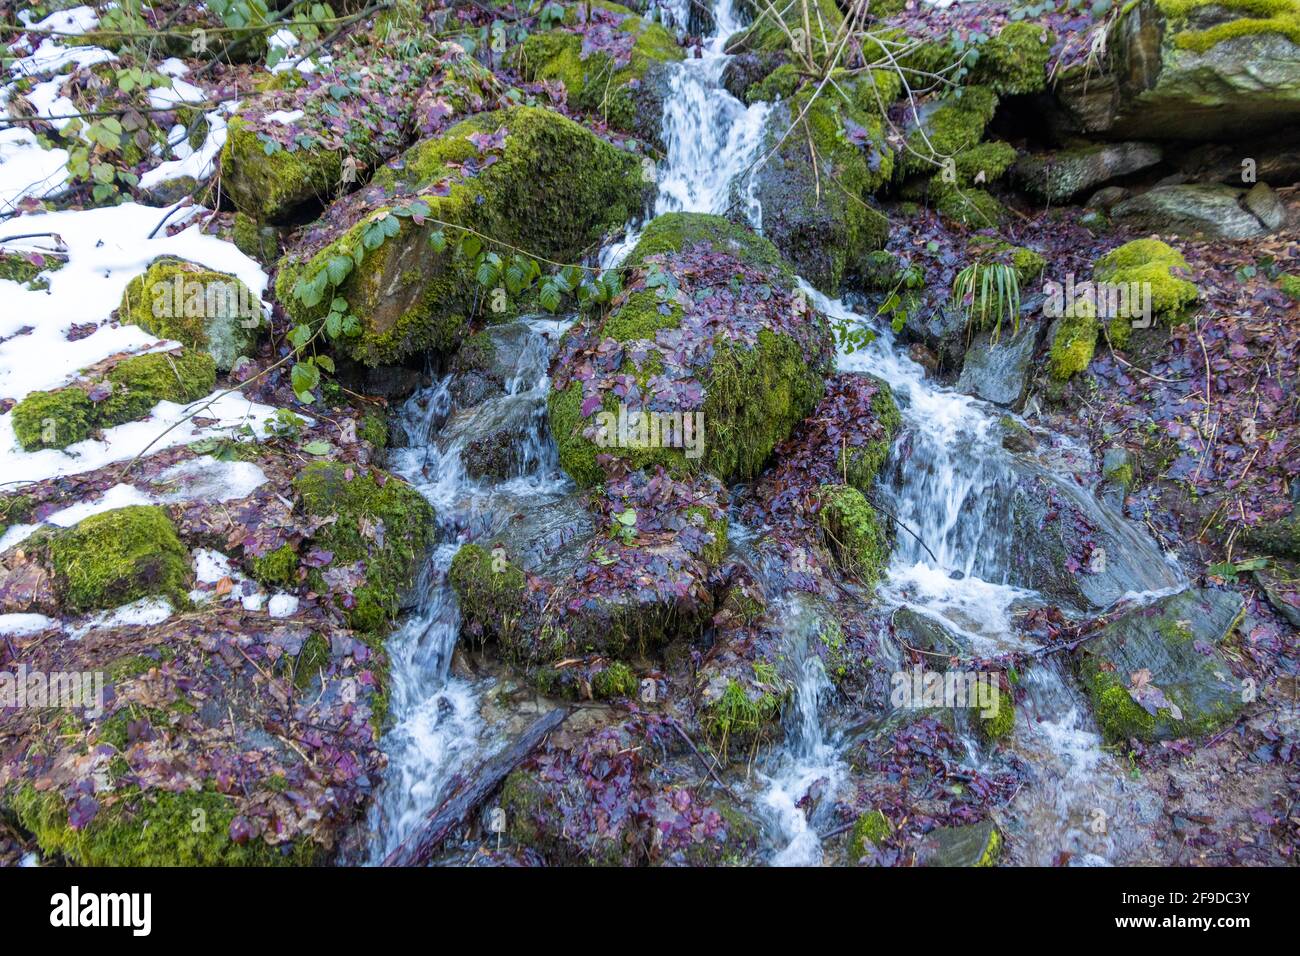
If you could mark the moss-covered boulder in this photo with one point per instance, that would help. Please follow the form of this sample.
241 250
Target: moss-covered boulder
1145 265
1059 176
213 312
128 391
293 148
118 556
610 62
378 532
707 360
1073 341
824 164
640 582
1190 69
772 30
525 176
1158 672
870 829
1014 62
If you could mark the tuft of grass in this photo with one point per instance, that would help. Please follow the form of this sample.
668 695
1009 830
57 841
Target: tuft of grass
986 293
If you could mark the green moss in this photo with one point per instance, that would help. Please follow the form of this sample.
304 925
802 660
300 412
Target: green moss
554 191
142 381
1027 263
118 556
255 241
859 544
311 659
999 726
374 429
967 206
1291 286
278 567
1147 263
616 680
738 715
17 267
1118 715
872 827
595 83
1075 341
271 189
950 129
577 454
490 591
54 419
155 829
984 162
387 526
1015 61
15 509
1264 16
212 312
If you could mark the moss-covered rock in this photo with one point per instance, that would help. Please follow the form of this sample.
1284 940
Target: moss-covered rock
1147 264
551 188
257 241
853 531
28 268
213 312
624 87
1158 672
118 556
54 419
997 726
1074 339
383 529
1189 69
272 187
127 392
155 829
1015 61
749 360
491 591
947 128
817 213
766 33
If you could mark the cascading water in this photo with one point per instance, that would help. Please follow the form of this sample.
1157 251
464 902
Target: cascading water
437 728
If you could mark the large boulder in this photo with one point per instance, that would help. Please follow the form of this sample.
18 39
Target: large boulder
817 212
526 177
709 327
1158 672
1059 176
1190 69
1211 210
610 62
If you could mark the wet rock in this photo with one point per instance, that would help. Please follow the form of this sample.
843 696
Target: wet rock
941 330
978 844
924 633
170 191
1214 210
1117 467
494 455
1200 71
1279 586
1278 536
1069 547
818 215
392 382
999 372
1157 672
1060 176
746 69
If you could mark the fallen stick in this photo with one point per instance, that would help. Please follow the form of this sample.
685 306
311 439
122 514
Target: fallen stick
452 812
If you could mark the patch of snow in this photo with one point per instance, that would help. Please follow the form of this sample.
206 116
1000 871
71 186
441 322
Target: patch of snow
211 566
282 605
16 625
28 170
284 117
196 163
208 479
119 496
142 613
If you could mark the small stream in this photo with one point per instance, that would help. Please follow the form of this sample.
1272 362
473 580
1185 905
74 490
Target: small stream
953 488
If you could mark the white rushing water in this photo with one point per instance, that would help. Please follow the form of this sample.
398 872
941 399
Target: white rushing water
437 727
